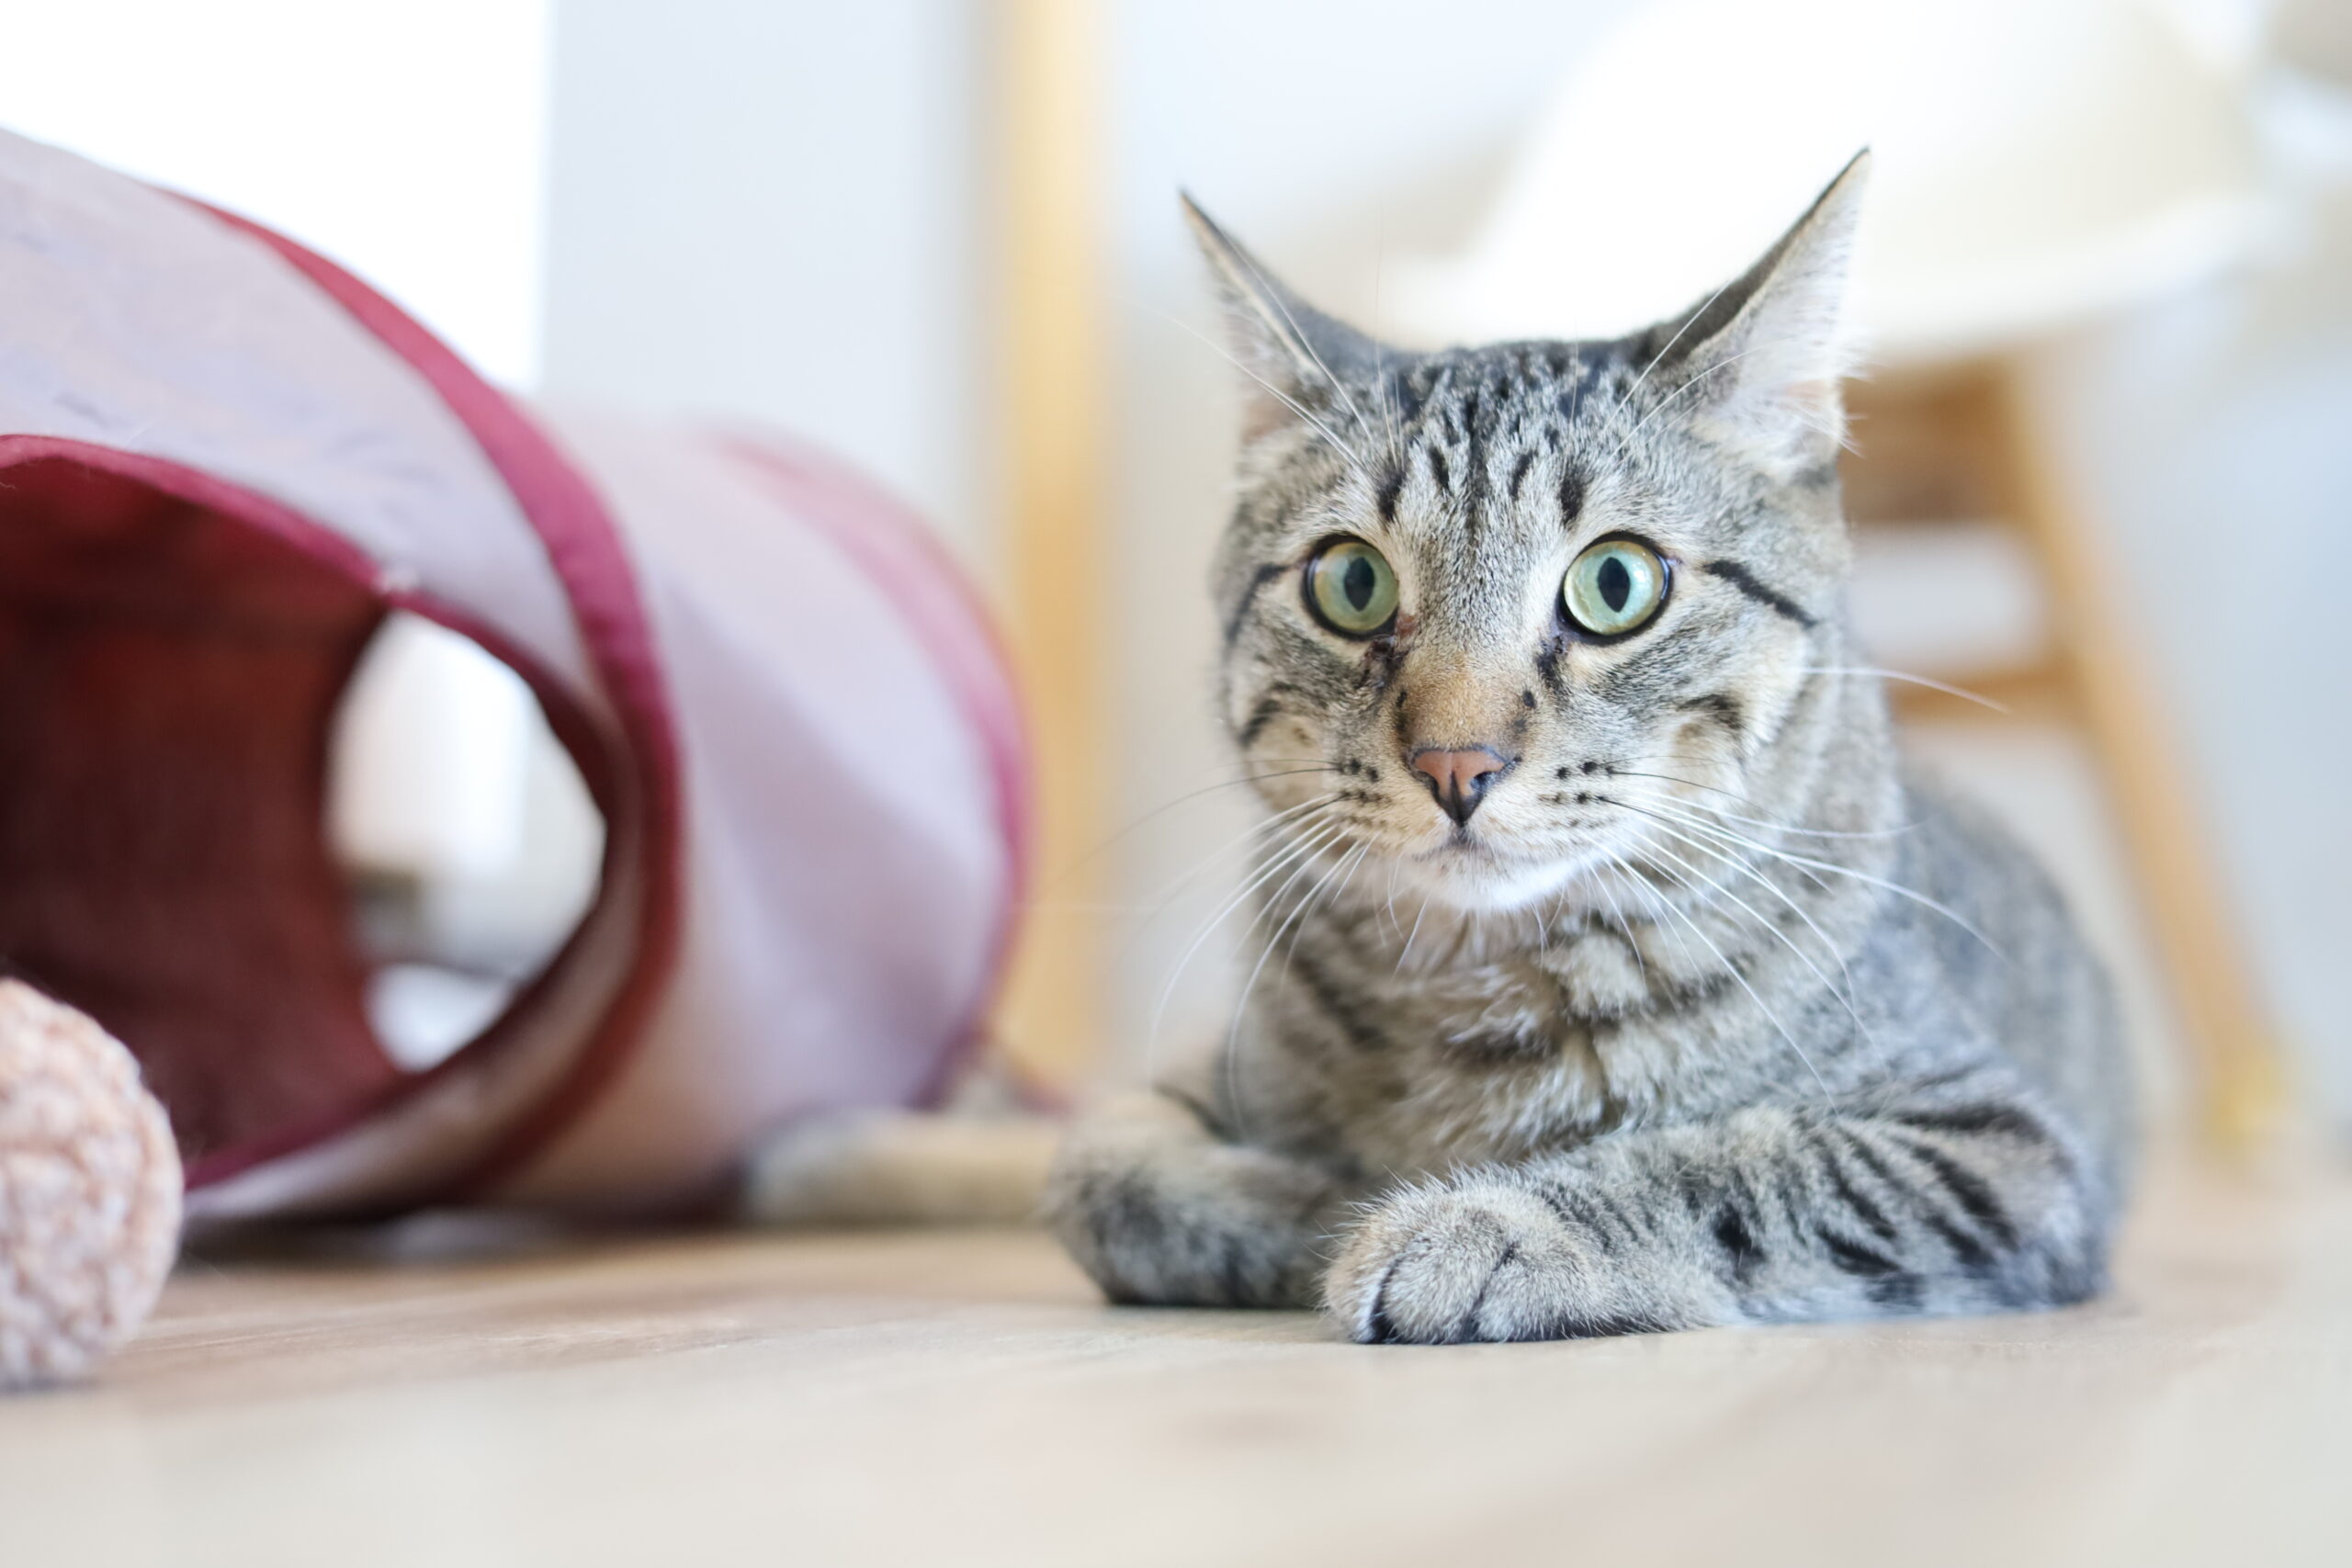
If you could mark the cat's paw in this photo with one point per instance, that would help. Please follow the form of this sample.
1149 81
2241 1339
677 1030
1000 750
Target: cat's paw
1159 1211
1480 1260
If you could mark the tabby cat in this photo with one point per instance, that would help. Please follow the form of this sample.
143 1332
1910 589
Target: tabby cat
1618 976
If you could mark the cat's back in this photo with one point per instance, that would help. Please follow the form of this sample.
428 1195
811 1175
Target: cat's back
2020 964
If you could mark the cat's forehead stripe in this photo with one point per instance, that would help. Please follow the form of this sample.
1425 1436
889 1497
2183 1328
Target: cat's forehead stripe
1518 472
1571 494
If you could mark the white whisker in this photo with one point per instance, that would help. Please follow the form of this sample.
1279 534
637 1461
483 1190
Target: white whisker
1657 359
1979 698
1161 901
1297 852
1272 292
1732 970
1407 950
1355 460
1764 822
1845 997
1725 363
1609 891
1242 1003
1895 888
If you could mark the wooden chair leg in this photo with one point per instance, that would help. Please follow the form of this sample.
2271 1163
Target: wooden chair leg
2236 1056
1050 1018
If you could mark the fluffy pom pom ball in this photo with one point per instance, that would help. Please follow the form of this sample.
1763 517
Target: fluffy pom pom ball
89 1192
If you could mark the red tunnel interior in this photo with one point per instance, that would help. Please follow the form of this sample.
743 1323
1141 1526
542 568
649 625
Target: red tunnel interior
169 677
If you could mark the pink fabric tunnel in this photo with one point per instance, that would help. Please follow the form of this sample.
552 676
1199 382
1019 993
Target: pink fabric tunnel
223 461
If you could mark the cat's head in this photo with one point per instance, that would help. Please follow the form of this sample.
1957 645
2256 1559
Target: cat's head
1508 606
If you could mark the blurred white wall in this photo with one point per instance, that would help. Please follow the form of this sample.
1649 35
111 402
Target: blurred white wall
406 140
2214 436
771 211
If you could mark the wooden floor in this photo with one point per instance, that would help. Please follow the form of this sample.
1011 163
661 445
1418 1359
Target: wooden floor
946 1398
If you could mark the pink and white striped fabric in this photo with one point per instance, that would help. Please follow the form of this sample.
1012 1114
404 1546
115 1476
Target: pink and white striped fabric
222 460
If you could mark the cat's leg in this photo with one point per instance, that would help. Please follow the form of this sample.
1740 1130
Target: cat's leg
899 1168
1766 1215
1159 1209
980 1159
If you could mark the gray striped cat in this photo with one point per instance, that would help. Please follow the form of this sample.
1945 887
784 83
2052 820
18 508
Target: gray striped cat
1618 977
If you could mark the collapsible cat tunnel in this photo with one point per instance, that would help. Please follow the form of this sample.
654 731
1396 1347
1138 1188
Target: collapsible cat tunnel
222 462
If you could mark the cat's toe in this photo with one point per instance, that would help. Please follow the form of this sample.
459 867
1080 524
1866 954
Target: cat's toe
1444 1265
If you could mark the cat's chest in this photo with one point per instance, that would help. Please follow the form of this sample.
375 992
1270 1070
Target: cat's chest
1462 1011
1477 1018
1463 1061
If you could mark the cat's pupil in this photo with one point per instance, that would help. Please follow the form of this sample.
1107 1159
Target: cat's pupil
1616 584
1357 582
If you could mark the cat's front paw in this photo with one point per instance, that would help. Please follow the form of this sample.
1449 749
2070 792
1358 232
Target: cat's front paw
1481 1260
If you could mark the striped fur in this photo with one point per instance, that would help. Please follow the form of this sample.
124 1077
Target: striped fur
1709 1013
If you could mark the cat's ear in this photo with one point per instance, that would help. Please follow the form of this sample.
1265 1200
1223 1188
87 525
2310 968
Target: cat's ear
1759 361
1295 361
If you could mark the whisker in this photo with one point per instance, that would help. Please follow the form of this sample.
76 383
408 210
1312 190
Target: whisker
1379 344
1352 862
1895 888
1666 401
1645 886
1166 806
1979 698
1242 1003
1407 950
1609 891
1272 292
1159 902
1732 970
1659 356
1346 451
1771 826
1298 851
1845 997
1698 823
1669 778
1900 891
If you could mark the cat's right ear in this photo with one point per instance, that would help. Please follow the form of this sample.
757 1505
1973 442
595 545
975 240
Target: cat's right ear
1295 361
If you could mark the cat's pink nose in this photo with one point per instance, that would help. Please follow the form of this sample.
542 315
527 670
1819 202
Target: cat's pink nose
1459 778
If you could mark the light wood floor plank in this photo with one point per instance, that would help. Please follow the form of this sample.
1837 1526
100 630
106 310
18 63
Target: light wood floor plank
962 1398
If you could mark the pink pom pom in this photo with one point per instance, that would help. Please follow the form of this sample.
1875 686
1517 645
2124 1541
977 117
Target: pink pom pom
89 1192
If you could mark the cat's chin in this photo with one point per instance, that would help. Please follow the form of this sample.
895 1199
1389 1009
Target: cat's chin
1487 883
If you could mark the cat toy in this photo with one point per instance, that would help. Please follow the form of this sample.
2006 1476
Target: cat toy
89 1192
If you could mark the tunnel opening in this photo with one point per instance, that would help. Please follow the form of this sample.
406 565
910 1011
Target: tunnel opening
185 848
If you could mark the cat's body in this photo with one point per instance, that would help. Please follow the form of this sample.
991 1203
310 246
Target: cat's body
1614 978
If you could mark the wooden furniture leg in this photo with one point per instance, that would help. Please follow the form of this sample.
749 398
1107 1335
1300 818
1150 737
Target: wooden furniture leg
1047 73
1962 443
2237 1060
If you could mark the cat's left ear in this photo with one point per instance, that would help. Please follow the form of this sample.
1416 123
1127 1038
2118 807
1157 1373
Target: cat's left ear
1759 362
1294 358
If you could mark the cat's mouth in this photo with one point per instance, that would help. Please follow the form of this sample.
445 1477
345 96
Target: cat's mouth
1473 872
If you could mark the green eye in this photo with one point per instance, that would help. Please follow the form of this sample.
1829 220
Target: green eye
1614 587
1351 587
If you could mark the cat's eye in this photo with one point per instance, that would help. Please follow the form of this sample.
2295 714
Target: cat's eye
1614 587
1352 588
